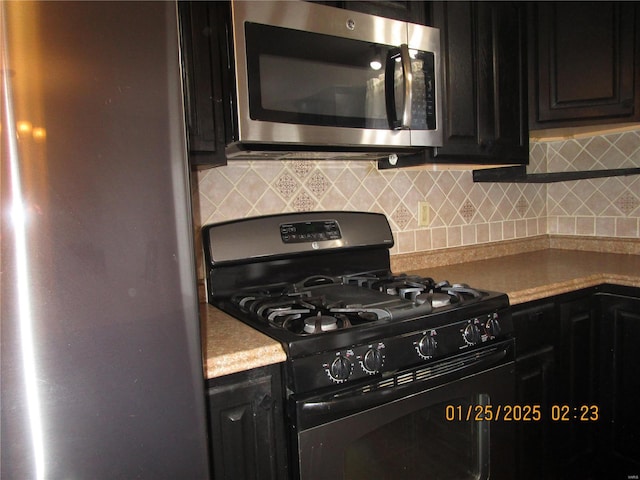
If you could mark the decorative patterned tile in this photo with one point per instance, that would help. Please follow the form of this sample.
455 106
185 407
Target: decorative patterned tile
402 216
627 203
301 168
286 185
318 184
303 202
467 211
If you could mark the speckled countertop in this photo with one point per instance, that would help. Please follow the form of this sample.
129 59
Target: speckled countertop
231 346
539 274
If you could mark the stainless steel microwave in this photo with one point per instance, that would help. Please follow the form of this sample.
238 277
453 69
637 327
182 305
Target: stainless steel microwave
319 81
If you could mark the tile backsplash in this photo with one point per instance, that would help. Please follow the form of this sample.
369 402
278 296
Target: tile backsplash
461 212
608 207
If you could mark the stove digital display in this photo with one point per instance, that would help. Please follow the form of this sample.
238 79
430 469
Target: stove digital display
310 231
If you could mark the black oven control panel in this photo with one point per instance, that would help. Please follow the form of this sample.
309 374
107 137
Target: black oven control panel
310 231
399 352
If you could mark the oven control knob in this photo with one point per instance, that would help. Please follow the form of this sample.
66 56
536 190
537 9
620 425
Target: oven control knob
427 346
340 368
372 361
492 326
471 334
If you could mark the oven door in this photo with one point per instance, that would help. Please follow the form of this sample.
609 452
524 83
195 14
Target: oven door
316 75
415 430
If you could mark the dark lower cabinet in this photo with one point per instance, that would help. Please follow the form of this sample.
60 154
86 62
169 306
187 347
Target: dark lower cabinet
535 324
576 383
247 428
534 453
578 358
620 385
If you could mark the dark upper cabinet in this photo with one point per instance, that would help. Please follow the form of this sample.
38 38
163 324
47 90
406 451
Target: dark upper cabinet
407 11
585 63
484 91
208 79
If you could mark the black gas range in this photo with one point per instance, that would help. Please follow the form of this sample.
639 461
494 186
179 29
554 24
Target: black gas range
321 284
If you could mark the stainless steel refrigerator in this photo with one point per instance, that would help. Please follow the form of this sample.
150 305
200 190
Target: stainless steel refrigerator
100 345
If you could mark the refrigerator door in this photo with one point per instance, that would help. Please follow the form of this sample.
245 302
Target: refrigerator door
101 363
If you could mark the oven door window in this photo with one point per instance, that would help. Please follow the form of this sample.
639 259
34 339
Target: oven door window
424 444
418 434
307 78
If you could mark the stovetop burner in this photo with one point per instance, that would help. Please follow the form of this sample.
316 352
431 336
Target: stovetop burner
320 304
320 323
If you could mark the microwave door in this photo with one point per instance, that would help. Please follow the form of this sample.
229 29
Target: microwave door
309 79
304 78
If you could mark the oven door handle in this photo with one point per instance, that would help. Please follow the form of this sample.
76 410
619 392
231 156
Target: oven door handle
358 400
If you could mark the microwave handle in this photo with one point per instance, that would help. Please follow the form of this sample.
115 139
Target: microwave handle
401 52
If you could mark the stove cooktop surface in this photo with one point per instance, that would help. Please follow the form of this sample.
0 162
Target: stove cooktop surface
321 304
347 328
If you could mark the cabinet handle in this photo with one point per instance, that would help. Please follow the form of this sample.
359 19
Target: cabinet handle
266 402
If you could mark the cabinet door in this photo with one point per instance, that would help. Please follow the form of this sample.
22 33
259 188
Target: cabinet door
534 381
621 384
406 11
577 364
207 70
536 327
585 63
484 88
247 426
